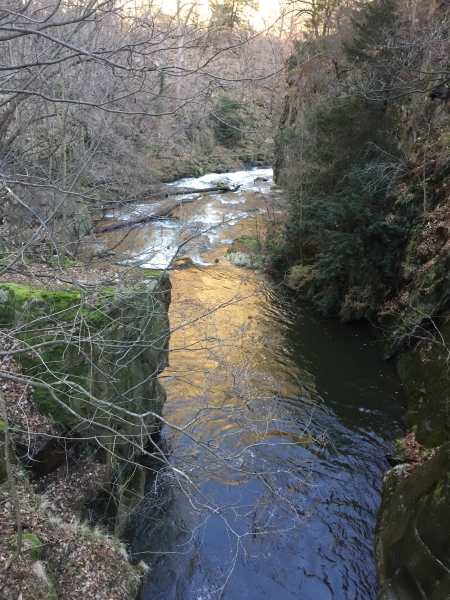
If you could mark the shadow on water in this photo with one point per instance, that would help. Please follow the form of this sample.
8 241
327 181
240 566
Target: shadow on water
274 491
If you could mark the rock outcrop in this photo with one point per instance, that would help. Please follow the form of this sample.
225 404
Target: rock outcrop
412 544
93 360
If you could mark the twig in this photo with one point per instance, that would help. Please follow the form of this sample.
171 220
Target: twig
12 485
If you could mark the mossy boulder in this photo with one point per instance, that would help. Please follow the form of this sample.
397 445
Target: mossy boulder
251 244
244 253
32 545
103 352
22 303
248 261
413 533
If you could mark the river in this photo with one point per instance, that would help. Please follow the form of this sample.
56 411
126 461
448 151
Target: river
276 478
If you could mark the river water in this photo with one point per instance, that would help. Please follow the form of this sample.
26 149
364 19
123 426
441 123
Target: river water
282 421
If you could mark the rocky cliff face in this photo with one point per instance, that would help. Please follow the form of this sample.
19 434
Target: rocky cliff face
386 257
412 543
93 359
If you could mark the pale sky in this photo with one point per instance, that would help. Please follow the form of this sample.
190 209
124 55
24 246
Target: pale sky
269 10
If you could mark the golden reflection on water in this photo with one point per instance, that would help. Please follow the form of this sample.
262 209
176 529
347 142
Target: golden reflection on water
211 329
224 376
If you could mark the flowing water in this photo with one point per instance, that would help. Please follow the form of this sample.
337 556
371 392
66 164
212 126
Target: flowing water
282 421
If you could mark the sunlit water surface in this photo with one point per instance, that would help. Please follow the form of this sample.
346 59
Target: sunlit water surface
287 419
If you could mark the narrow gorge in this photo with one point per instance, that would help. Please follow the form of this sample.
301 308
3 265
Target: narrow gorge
225 301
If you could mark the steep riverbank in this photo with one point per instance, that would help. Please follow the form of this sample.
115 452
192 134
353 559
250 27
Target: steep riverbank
409 314
82 401
367 237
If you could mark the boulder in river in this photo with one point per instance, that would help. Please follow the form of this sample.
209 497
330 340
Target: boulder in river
182 262
249 261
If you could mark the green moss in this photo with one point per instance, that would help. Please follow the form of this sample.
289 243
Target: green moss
35 304
51 591
437 438
277 240
67 263
48 406
22 293
61 301
151 272
411 250
33 545
440 494
399 443
45 589
111 366
55 362
197 171
250 242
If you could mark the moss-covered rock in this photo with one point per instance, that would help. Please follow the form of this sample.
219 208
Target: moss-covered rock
109 346
248 261
251 243
413 533
427 387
